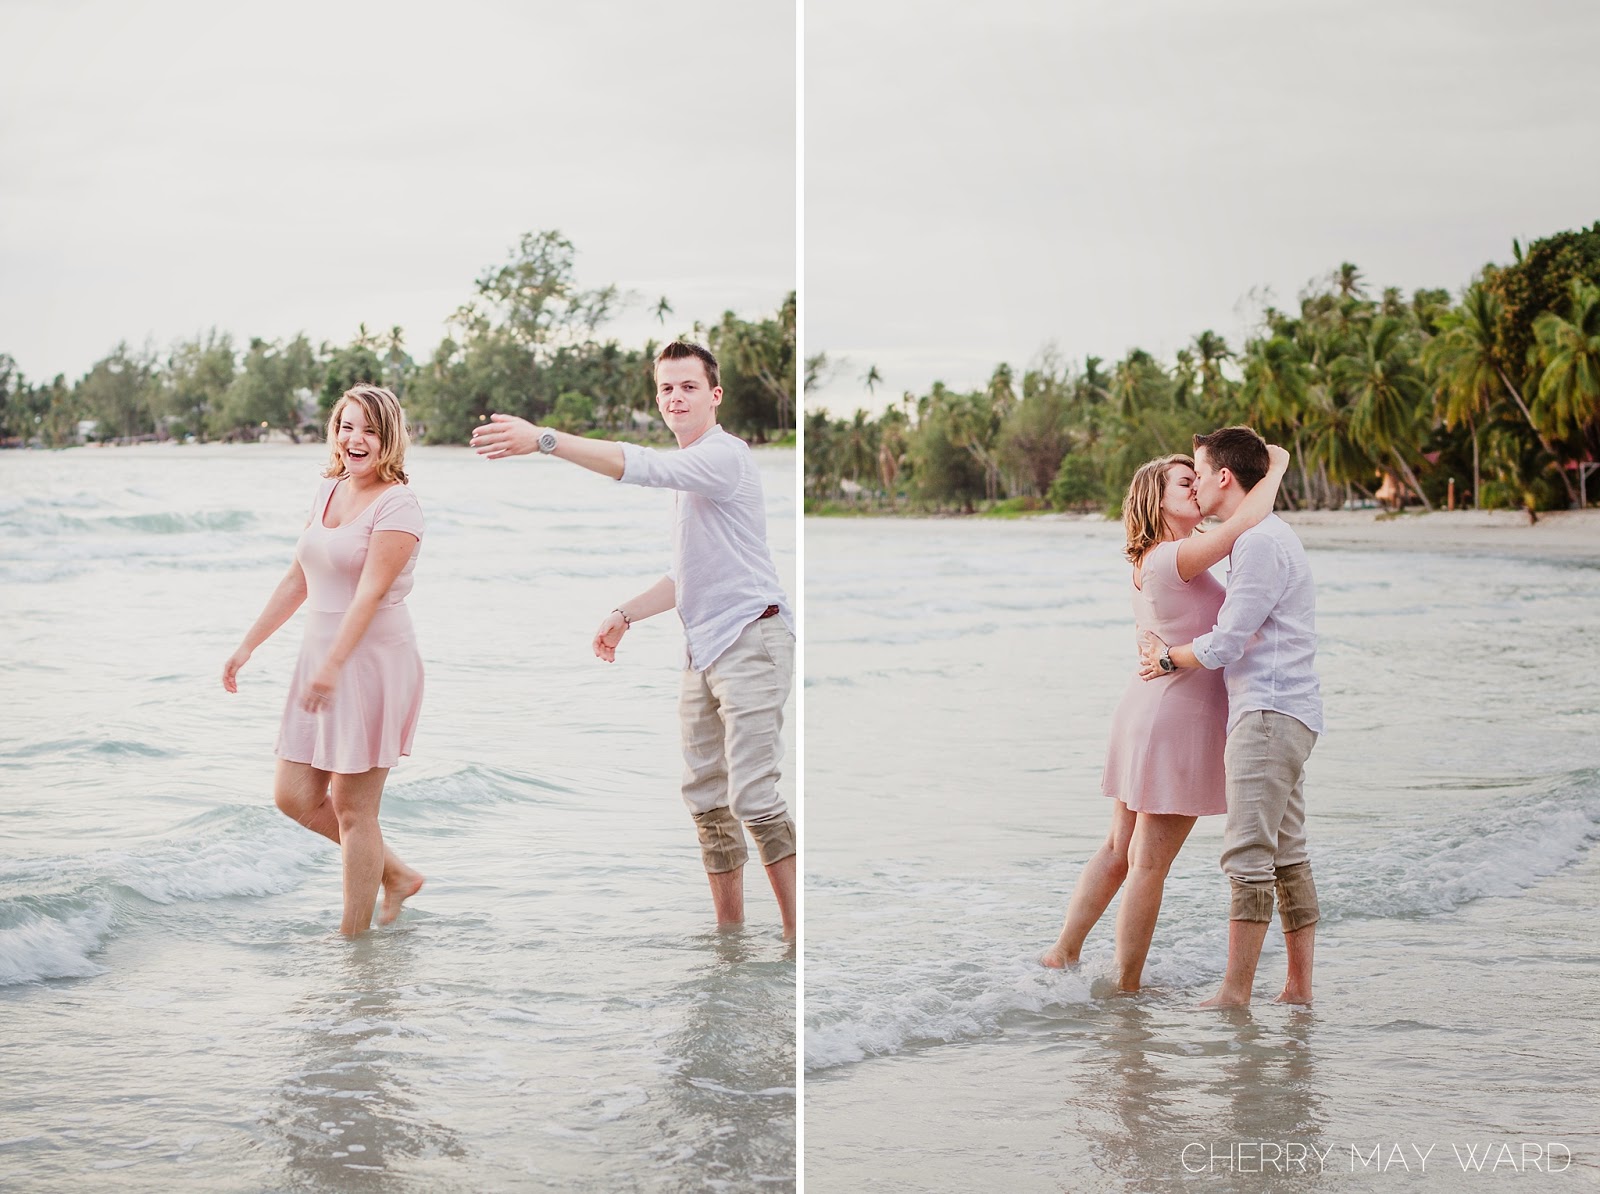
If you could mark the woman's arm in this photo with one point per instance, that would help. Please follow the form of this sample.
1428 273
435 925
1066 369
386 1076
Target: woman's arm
285 599
657 599
387 553
1199 552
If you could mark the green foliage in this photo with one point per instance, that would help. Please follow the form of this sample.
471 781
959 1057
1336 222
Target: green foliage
526 344
1363 391
355 364
1540 282
1078 484
573 412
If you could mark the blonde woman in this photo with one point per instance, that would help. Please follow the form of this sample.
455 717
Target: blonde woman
357 687
1164 766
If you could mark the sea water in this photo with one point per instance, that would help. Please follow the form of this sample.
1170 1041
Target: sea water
960 681
553 1010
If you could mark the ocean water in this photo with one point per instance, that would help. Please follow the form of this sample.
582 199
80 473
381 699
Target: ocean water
553 1010
960 678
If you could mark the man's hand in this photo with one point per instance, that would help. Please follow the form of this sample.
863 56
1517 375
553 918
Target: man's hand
609 635
505 435
1149 654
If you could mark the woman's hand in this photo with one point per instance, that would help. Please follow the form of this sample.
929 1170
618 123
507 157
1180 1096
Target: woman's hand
1150 656
1277 459
230 669
609 635
319 692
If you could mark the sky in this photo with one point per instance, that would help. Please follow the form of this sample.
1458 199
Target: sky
983 181
168 167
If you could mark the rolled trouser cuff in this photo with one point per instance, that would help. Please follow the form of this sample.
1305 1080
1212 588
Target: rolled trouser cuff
774 839
1297 897
1250 901
721 840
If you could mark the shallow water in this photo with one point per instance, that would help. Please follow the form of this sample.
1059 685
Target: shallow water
960 681
554 1009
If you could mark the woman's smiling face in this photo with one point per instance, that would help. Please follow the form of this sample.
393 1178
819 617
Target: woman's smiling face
359 443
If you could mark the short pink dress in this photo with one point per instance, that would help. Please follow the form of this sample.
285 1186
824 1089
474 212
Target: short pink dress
1167 734
372 718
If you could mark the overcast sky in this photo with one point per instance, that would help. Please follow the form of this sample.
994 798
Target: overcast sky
984 179
276 168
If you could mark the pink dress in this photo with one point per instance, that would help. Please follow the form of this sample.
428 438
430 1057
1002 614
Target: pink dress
372 717
1167 734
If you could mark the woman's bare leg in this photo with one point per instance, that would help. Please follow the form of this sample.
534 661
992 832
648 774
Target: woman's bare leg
301 793
355 803
1157 838
1102 875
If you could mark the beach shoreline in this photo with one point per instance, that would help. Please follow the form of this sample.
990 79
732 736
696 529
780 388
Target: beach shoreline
1572 535
1559 534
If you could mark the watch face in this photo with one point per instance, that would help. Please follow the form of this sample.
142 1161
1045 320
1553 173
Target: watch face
547 441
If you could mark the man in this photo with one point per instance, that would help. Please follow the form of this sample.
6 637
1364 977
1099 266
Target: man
1265 640
736 620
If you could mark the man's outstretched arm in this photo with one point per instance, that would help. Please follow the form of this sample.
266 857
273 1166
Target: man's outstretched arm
507 435
657 599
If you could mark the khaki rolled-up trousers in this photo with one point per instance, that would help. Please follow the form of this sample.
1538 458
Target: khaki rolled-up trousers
1264 844
732 721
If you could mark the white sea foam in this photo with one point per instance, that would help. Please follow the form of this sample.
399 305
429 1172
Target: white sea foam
43 946
202 867
1500 851
864 1001
53 935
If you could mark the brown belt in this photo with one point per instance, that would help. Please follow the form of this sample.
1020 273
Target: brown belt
770 611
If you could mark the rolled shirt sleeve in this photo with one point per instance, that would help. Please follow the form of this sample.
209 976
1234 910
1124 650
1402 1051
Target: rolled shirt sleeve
707 467
1256 582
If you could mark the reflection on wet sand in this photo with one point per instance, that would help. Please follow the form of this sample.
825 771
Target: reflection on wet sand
730 1092
345 1117
1169 1098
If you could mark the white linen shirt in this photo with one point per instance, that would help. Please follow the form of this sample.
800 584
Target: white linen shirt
722 569
1265 639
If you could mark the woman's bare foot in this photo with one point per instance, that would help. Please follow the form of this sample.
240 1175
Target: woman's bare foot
1226 998
1288 995
398 887
1057 958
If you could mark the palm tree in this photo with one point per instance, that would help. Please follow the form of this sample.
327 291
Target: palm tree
1347 278
1210 351
1461 360
873 379
1275 395
1568 356
1387 389
860 448
662 309
1469 349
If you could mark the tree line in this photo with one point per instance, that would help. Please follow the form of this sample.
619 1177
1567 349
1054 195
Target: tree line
527 343
1494 396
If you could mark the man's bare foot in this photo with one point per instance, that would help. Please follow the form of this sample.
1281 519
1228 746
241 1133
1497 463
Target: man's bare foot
1225 998
1303 998
397 889
1057 958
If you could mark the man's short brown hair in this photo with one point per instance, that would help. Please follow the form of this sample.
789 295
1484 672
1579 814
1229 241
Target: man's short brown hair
1239 450
680 350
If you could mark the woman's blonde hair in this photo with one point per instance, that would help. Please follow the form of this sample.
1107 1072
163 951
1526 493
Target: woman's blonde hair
385 417
1142 515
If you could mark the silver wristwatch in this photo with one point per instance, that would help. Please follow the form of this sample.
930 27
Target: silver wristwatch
1164 660
547 442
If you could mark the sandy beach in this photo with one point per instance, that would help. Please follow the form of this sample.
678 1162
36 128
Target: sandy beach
1566 534
1558 535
